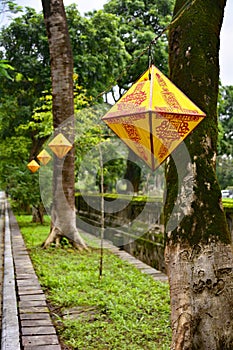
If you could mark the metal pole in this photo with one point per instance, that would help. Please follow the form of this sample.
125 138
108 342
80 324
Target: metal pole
102 212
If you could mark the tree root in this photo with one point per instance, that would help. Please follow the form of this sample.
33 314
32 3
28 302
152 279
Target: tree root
55 236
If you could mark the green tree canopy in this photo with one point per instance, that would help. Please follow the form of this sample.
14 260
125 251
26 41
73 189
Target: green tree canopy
98 50
140 22
225 110
30 59
225 144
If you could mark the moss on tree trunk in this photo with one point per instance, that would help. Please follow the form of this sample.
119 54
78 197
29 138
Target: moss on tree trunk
198 249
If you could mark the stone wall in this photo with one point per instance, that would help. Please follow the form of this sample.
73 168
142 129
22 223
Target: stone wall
134 225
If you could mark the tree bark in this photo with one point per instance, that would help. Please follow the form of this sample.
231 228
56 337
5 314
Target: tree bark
63 212
198 249
132 173
38 214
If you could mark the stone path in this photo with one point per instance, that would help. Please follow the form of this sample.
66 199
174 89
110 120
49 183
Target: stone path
25 318
10 323
2 221
26 322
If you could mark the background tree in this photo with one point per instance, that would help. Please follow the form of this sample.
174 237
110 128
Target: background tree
224 171
9 7
140 22
198 249
30 59
225 146
19 183
14 175
225 110
96 39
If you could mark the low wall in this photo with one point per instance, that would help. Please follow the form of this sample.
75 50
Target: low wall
134 225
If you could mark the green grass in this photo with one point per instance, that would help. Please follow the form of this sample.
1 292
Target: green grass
138 198
228 203
126 310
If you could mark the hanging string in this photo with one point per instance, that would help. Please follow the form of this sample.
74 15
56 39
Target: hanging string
149 60
179 14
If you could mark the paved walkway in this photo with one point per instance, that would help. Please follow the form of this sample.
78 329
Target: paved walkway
26 322
25 318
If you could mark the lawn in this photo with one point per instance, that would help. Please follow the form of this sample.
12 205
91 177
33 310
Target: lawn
126 310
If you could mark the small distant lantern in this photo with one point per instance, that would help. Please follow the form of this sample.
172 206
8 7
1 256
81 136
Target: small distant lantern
44 157
33 166
60 146
153 117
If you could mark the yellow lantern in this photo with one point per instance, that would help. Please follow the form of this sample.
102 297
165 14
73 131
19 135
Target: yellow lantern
44 157
153 117
33 166
60 146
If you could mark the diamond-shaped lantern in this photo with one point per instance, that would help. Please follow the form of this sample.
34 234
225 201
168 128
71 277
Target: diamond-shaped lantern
153 117
33 166
44 157
60 146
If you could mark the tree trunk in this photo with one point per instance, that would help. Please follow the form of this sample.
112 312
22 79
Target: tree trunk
63 212
198 248
132 173
38 213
